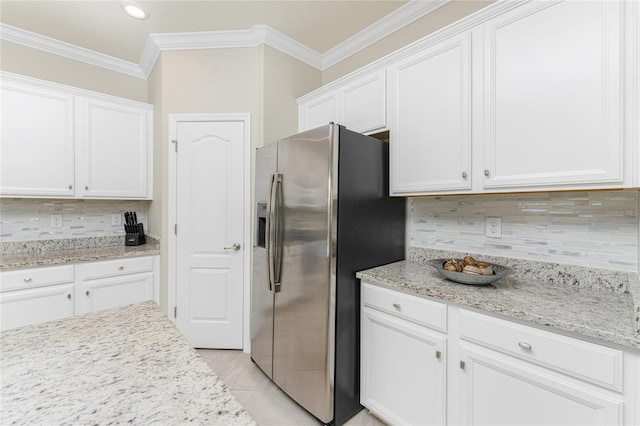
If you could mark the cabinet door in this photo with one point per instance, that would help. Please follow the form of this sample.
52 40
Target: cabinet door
430 122
36 153
363 104
113 149
96 295
498 390
402 371
553 95
36 305
318 112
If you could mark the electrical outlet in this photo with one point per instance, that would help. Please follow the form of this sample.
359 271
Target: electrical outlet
493 227
55 221
116 219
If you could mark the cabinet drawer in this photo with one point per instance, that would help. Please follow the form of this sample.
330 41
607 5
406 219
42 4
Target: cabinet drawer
587 361
112 268
422 311
28 278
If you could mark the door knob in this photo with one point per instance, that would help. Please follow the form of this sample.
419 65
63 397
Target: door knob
234 247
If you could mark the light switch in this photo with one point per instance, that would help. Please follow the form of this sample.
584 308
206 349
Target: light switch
116 219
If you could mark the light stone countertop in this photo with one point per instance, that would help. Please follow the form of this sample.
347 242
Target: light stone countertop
595 314
123 365
32 254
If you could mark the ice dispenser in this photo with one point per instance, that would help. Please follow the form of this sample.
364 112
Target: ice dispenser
262 224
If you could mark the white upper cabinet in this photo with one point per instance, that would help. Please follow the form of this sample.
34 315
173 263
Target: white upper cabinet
318 112
430 121
59 141
363 105
358 104
113 149
553 96
37 149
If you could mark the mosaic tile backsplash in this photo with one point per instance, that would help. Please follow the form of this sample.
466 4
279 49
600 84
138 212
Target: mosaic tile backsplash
23 219
596 229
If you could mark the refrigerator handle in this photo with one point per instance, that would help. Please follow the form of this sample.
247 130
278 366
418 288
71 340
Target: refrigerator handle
278 233
269 237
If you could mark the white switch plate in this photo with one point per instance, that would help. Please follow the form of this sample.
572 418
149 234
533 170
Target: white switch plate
116 219
55 221
493 227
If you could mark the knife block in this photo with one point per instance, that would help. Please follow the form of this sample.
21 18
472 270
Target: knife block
135 238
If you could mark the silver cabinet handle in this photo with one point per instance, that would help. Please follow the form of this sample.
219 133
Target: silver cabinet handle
396 305
486 172
464 175
524 345
27 280
234 247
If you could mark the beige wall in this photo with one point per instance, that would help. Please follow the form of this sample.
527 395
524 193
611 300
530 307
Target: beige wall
440 18
285 79
20 59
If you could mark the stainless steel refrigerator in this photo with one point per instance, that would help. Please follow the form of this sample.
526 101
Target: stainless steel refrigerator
322 213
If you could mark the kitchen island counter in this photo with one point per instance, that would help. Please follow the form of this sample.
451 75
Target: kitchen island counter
596 314
123 365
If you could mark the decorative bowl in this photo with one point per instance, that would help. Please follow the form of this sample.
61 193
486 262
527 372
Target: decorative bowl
499 272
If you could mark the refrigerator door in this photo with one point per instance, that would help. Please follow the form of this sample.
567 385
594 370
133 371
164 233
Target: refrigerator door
261 288
304 322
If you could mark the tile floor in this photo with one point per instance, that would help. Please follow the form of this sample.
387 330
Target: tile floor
262 399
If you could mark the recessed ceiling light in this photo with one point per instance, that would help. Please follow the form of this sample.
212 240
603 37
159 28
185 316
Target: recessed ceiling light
134 9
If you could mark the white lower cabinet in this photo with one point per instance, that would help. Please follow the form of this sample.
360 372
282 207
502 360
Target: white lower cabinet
403 363
485 370
113 283
37 295
501 390
36 305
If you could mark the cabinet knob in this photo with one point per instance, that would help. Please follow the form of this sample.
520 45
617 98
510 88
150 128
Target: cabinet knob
486 172
69 296
87 293
438 354
121 268
86 187
524 345
396 305
464 175
27 280
70 186
462 365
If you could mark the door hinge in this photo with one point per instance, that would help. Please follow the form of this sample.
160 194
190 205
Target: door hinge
175 229
175 312
175 144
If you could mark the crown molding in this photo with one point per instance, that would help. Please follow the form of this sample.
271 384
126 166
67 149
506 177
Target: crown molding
255 36
399 18
68 50
258 34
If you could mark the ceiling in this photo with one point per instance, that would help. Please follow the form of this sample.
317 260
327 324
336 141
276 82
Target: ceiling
103 26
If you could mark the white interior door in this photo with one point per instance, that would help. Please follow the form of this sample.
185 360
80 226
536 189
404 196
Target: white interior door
210 232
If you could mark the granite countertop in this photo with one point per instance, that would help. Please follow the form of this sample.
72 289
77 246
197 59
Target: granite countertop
31 254
604 315
123 365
